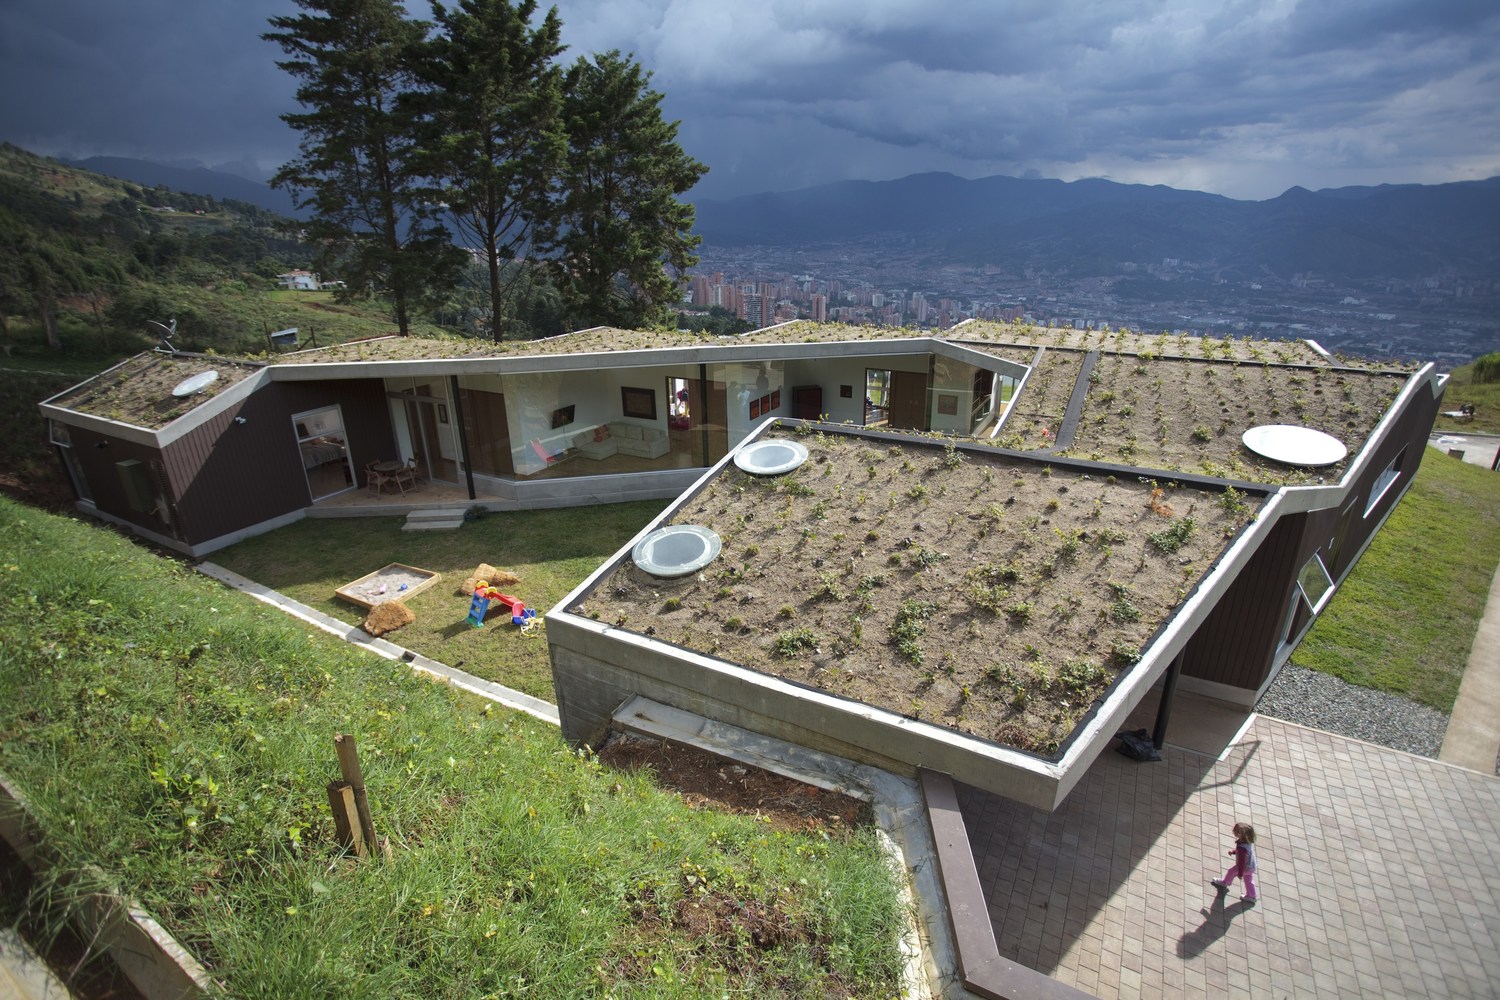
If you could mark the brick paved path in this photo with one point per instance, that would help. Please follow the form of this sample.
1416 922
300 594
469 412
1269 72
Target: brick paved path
1378 873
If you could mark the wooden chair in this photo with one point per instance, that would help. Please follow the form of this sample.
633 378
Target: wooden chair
404 477
375 481
416 471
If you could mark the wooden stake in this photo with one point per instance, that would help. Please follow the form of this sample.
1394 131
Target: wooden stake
349 766
346 818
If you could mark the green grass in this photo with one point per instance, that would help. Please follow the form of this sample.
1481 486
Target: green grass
1463 389
175 737
1404 620
550 550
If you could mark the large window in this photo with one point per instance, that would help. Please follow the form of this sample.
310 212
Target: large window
325 452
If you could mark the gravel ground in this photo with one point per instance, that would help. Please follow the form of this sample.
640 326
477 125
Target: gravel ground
1320 701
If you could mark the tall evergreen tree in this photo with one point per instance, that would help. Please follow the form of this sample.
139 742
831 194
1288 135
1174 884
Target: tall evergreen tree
491 135
353 60
624 238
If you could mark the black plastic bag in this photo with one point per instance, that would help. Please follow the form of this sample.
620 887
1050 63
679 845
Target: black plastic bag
1136 744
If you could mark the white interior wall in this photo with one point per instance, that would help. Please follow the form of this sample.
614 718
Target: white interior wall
832 373
951 379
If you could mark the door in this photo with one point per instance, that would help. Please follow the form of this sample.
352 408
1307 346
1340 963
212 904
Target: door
909 400
487 432
715 410
424 431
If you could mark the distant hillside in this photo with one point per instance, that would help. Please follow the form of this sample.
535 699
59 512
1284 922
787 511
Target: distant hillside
197 180
1090 226
86 260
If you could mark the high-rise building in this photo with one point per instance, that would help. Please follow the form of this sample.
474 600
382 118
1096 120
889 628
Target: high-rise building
700 291
820 308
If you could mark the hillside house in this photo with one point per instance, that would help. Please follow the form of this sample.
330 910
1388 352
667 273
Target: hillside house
299 281
197 452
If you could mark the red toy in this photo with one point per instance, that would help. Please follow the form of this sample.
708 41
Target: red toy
480 605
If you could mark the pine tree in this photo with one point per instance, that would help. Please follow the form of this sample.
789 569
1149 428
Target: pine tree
491 133
353 60
624 238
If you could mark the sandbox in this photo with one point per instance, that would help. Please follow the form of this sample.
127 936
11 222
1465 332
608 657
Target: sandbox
392 582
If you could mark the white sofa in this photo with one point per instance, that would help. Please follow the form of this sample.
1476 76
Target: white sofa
620 438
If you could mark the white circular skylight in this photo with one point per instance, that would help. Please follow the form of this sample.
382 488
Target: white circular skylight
676 550
195 383
1294 445
770 458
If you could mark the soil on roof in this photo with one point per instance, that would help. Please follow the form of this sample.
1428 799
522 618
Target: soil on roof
994 595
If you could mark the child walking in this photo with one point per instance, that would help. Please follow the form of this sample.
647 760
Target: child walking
1244 863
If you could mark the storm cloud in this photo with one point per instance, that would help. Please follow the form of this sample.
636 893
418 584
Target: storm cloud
1240 98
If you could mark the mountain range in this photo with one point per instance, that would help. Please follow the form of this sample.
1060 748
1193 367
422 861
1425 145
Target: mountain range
1094 226
1401 232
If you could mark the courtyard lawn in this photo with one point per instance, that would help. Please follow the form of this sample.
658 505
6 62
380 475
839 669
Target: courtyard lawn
174 738
1405 618
550 550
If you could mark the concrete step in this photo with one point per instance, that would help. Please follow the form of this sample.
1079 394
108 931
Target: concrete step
433 525
436 514
435 519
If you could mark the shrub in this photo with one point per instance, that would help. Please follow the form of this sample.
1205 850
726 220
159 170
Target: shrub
1487 368
794 642
1173 538
907 629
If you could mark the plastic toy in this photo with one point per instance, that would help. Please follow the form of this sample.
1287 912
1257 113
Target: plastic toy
479 606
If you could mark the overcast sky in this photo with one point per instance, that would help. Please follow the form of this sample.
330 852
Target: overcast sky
1244 98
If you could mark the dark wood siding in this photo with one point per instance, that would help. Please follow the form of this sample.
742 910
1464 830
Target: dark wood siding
228 476
98 457
1237 642
1409 435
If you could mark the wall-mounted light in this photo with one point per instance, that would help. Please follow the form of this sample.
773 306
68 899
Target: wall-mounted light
241 420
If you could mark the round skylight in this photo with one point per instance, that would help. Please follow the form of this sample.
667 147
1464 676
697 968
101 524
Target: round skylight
1294 445
770 458
676 550
195 383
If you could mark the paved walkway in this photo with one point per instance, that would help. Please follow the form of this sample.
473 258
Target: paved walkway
1477 449
1377 873
1473 737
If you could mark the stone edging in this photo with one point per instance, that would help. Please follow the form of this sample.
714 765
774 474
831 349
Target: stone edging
160 967
984 972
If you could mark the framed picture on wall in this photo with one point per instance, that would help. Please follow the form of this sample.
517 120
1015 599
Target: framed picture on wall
765 403
776 399
754 408
442 409
947 405
639 403
846 392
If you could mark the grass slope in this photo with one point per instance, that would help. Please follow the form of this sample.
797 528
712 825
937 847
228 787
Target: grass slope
175 738
1405 618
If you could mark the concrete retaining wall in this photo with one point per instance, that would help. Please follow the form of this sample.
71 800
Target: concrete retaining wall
596 668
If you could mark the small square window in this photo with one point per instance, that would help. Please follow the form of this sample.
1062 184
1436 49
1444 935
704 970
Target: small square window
1315 583
1384 482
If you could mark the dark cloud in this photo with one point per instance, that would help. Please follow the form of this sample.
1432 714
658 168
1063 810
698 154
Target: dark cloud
159 79
1244 97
